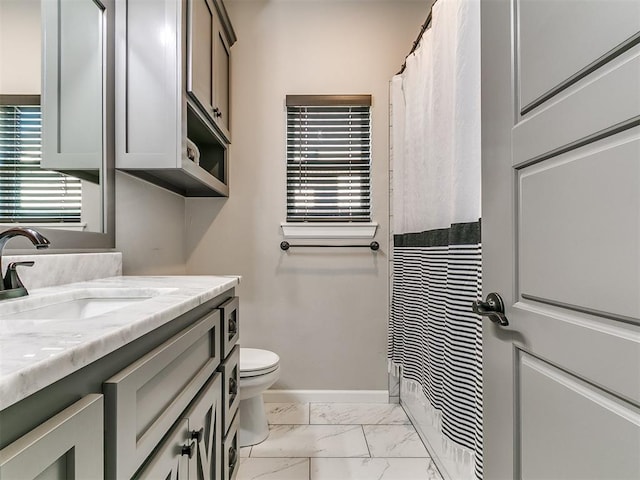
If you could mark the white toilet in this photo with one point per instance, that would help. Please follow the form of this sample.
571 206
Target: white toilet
259 369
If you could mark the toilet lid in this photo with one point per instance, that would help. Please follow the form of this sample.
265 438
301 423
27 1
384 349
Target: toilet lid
254 360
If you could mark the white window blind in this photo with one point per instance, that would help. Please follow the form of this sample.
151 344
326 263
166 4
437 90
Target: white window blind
29 194
328 158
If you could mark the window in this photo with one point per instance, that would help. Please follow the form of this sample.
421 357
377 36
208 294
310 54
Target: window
328 158
29 194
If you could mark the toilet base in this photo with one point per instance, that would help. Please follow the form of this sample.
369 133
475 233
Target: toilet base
254 427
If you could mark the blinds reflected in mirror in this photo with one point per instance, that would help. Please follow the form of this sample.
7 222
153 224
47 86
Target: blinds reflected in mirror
328 158
29 194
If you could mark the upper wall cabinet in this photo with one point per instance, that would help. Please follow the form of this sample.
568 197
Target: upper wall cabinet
208 60
172 93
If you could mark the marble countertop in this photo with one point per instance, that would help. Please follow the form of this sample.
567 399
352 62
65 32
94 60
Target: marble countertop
35 353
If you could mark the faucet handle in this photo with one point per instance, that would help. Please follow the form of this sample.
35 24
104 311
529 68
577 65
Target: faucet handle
11 278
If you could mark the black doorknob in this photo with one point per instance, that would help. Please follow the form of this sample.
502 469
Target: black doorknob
493 308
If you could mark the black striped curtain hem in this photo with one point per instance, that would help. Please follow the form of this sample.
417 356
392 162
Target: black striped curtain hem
434 337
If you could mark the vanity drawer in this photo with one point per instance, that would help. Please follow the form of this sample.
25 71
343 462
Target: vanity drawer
145 399
230 324
230 369
231 451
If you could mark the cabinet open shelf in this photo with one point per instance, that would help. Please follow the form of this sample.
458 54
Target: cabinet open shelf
213 150
208 177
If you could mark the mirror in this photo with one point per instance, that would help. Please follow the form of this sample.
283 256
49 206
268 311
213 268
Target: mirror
56 112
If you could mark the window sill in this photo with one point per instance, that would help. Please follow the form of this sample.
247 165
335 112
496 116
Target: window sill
79 227
329 230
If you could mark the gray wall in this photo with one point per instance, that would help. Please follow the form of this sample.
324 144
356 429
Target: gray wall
20 49
323 311
150 229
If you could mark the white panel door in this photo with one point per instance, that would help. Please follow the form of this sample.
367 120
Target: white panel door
561 238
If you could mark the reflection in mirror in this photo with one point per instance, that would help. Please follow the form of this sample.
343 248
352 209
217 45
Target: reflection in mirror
72 87
32 195
54 127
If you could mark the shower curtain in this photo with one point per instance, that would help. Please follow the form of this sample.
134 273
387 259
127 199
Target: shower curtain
435 341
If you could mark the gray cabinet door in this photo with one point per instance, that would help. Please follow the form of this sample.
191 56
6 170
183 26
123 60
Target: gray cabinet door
149 88
205 426
66 447
222 80
561 238
201 31
208 62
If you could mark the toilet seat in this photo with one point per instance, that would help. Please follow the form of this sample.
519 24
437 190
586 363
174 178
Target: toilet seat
255 362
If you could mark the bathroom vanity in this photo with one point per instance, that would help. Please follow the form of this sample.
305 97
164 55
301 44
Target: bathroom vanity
124 377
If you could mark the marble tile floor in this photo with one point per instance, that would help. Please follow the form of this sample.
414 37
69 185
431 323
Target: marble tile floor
338 441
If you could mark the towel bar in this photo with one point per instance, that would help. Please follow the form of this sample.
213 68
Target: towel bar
286 246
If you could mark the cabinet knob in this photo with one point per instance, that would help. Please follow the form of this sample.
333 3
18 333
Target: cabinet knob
188 449
217 112
197 435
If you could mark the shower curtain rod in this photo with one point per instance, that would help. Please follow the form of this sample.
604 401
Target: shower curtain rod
425 25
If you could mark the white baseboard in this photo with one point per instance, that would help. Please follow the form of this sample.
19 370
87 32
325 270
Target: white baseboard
326 396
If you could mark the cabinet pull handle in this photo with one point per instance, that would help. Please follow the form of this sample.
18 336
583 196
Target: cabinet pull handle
217 112
188 449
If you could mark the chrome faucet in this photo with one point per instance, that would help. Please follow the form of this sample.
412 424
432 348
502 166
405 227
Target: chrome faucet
10 285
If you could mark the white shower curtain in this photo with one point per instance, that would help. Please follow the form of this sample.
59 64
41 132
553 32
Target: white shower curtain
436 123
434 338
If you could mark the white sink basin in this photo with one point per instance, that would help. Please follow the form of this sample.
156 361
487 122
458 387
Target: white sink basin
75 309
77 304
